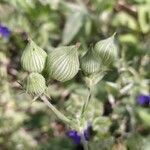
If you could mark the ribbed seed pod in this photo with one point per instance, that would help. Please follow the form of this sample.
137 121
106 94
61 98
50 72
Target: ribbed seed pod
63 63
107 50
35 84
33 58
90 63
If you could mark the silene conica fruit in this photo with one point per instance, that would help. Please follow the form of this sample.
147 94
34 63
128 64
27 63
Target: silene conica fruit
63 63
33 58
107 50
90 64
35 84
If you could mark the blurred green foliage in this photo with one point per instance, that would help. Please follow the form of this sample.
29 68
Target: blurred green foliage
119 123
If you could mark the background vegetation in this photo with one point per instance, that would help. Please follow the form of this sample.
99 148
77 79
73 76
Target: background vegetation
122 123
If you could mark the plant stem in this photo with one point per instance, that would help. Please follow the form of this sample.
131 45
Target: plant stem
85 105
55 110
84 142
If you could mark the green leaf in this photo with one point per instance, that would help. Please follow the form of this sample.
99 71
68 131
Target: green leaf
125 20
72 27
128 38
144 18
135 142
144 116
101 125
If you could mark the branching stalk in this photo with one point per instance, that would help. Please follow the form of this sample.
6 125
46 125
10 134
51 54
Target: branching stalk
85 105
55 110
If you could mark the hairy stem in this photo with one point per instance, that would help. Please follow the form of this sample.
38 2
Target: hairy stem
85 105
55 110
84 142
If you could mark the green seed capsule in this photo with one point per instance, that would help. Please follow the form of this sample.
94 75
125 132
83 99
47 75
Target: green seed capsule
90 63
107 50
35 84
33 58
63 63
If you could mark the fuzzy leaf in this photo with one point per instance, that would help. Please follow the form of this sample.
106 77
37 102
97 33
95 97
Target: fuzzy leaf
72 27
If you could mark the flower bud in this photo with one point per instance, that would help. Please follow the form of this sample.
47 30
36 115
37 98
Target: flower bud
63 63
107 50
90 63
33 58
35 84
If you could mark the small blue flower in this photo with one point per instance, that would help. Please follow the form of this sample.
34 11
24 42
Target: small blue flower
76 137
87 132
143 100
4 31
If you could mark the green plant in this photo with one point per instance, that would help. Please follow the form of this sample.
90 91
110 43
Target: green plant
62 64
